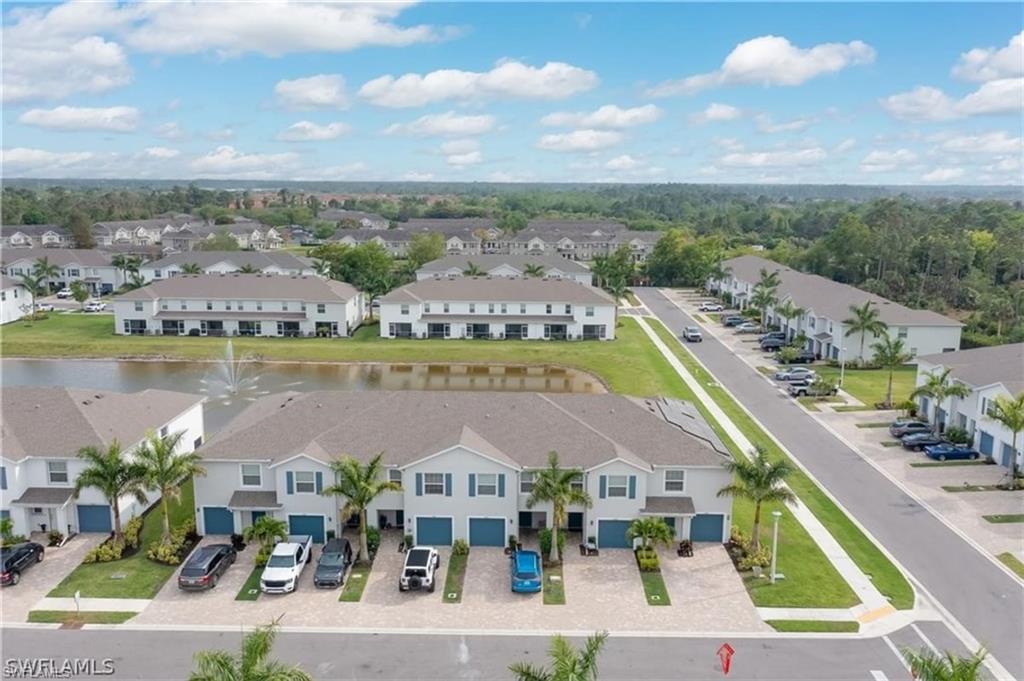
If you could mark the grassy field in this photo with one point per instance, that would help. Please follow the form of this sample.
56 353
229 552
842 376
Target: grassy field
1011 561
821 626
136 576
654 588
868 557
72 617
358 575
554 590
868 385
250 591
453 580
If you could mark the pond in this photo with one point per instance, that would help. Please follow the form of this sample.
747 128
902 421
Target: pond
231 384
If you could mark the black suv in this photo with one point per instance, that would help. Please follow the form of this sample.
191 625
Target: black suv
206 566
16 559
334 559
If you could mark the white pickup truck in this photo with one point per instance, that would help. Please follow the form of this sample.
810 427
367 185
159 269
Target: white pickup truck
281 575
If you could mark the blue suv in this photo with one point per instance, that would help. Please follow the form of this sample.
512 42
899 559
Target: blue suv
527 574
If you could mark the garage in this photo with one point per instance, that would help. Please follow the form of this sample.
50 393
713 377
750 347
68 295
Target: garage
218 520
313 525
487 532
434 531
611 534
94 518
707 527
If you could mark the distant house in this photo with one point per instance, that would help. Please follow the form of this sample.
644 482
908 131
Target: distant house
45 427
365 220
146 232
506 266
93 267
35 236
15 300
498 307
240 305
581 239
225 262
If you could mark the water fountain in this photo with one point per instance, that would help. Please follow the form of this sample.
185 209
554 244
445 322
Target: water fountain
233 378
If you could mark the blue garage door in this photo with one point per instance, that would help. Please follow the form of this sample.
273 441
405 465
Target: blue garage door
487 532
434 531
985 443
218 521
611 534
94 518
706 527
312 525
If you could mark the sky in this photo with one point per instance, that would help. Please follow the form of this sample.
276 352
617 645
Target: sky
726 93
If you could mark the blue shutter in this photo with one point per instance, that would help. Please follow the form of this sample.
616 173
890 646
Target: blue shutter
290 482
632 487
419 484
472 484
447 484
501 484
604 486
3 477
319 482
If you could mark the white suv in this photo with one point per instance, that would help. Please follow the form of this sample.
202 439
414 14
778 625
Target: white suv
420 569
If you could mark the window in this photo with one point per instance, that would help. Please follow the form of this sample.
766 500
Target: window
617 485
321 308
183 305
472 308
504 308
589 311
577 482
138 306
305 482
446 307
251 476
433 483
426 308
901 332
490 308
209 305
675 481
73 273
526 479
568 309
163 431
395 475
522 308
548 308
405 309
227 304
487 484
163 304
259 306
57 471
156 274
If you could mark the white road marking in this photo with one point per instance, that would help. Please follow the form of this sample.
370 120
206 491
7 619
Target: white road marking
896 652
924 638
878 676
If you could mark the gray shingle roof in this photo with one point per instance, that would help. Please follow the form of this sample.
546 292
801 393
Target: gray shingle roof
519 428
488 262
248 499
668 506
57 422
260 259
90 257
606 226
307 288
34 230
45 496
985 366
499 289
9 282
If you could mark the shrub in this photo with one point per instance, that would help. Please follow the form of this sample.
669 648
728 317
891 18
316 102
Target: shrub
263 555
759 558
647 560
957 435
372 539
460 548
164 553
106 552
408 541
544 536
132 530
737 537
171 554
513 541
56 537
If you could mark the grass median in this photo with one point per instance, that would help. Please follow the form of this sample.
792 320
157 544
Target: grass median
815 626
654 588
250 591
358 575
1011 561
72 617
869 385
869 558
456 575
554 585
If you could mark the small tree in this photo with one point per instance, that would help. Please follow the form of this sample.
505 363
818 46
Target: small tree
247 269
80 292
554 484
266 530
252 664
568 663
45 270
359 484
651 531
890 353
166 469
787 310
534 270
940 387
191 268
926 665
1010 412
864 321
760 480
114 476
762 298
472 270
34 285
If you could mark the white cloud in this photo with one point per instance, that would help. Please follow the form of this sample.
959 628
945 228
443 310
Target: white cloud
926 103
943 174
845 146
161 152
996 143
170 131
771 60
624 162
469 158
444 125
767 125
775 158
994 97
879 161
51 69
508 79
580 140
21 161
112 119
607 116
462 152
323 91
220 134
716 113
923 103
989 63
225 161
306 131
728 143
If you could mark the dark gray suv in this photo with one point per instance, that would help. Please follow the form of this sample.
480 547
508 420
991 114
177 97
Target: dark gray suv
334 560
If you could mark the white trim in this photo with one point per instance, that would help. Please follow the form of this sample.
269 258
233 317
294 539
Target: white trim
597 529
505 524
301 455
415 526
295 482
608 487
476 485
506 464
241 474
617 459
664 481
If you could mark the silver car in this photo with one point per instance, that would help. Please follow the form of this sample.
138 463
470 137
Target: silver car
795 374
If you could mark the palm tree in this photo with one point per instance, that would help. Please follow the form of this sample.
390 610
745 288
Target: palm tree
940 387
719 273
762 298
617 287
864 321
132 264
650 530
472 270
166 470
889 354
926 665
247 269
191 268
33 283
554 484
45 270
534 270
769 280
568 663
266 530
760 480
253 664
322 267
601 267
120 261
1010 412
114 476
787 310
360 485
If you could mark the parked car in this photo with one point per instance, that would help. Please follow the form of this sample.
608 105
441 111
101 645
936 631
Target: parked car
900 428
733 320
16 559
206 566
769 344
813 388
334 560
64 293
710 307
281 575
747 327
795 374
804 357
918 441
95 306
691 334
420 569
44 307
527 573
781 335
950 452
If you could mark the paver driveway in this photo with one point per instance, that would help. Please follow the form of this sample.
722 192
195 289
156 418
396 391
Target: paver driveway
17 601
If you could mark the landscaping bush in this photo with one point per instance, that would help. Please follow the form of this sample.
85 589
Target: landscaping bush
647 560
372 539
263 555
55 537
544 536
106 552
183 538
460 548
957 435
759 558
131 531
408 541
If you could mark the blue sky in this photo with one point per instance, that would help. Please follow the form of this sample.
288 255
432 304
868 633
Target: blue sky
866 93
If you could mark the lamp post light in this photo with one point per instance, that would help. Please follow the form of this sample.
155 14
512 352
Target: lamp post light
842 366
775 542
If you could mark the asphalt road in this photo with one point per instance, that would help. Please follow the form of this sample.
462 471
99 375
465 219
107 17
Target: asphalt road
138 654
985 600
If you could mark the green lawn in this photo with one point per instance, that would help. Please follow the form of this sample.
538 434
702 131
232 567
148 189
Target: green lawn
358 575
1011 561
1001 519
453 581
554 589
946 464
136 576
72 617
654 588
804 626
250 591
810 578
868 385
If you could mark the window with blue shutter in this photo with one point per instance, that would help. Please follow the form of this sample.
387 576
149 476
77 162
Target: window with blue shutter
290 482
319 482
603 492
419 484
3 477
447 484
632 487
472 484
501 484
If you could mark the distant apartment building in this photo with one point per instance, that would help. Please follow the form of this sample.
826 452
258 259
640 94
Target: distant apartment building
35 236
93 267
226 262
15 300
353 217
550 267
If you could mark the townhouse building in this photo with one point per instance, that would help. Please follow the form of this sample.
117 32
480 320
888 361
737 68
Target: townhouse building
148 232
43 430
240 305
343 216
498 307
15 300
581 240
35 236
826 304
492 265
227 262
467 464
989 373
93 267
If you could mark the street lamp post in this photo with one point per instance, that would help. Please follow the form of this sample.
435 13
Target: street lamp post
775 542
842 366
